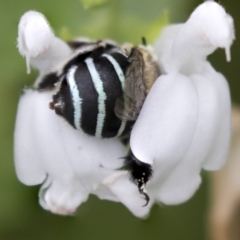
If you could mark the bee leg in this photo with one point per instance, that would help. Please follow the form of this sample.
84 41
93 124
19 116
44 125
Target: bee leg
140 174
142 190
57 103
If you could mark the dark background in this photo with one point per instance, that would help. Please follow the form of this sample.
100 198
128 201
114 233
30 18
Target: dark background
20 215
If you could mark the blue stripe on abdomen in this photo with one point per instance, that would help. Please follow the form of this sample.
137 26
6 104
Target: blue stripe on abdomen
113 90
89 98
98 85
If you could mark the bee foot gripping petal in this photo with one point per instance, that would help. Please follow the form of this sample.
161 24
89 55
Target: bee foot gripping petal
142 190
140 174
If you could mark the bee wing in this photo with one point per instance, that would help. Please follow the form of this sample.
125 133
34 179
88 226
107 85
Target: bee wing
125 109
129 105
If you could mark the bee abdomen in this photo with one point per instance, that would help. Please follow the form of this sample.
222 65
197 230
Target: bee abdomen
88 94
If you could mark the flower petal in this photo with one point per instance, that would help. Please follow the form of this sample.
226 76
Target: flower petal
185 47
165 126
127 193
28 164
163 45
185 178
34 34
220 147
62 198
37 42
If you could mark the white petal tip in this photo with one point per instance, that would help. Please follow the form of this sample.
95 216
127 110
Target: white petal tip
34 34
28 64
216 25
228 54
62 211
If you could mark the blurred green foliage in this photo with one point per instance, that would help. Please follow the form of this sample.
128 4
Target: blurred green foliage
91 4
109 20
21 217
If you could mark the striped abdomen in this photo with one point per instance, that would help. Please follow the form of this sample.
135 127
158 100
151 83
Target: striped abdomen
88 94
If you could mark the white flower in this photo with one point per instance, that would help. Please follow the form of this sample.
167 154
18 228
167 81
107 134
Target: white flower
70 164
184 125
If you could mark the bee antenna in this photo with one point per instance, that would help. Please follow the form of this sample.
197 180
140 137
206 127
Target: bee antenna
144 41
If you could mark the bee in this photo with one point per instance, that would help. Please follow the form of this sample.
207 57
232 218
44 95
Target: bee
100 90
